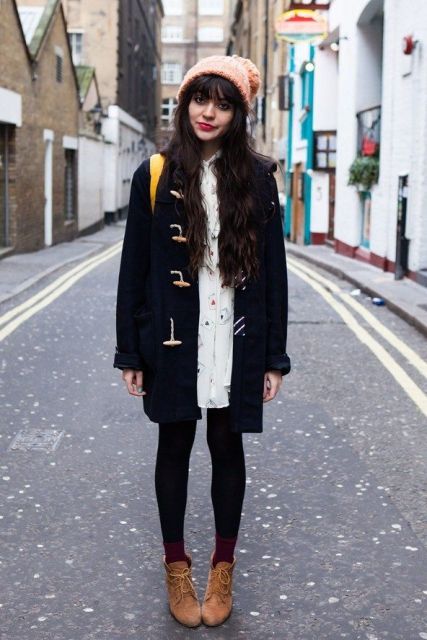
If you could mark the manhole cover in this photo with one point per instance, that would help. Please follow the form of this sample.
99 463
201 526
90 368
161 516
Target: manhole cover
36 440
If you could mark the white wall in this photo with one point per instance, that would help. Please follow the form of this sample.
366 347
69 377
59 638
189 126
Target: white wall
369 64
359 87
90 181
319 202
404 134
124 152
325 90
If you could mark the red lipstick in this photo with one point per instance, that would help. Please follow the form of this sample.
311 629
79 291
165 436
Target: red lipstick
205 127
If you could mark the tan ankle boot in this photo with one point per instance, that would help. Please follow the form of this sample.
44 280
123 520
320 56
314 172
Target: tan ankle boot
183 602
218 600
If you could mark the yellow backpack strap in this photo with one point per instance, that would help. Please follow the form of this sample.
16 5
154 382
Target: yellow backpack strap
156 167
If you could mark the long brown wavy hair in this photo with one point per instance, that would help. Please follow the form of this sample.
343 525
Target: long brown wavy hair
234 168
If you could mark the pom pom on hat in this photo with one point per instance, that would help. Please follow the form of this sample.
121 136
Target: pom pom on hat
240 71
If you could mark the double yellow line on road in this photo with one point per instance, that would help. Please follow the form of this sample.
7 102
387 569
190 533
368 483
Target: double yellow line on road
329 292
12 319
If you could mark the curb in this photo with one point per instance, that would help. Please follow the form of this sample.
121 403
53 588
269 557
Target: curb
29 282
343 275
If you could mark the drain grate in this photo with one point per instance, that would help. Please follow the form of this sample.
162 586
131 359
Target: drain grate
36 440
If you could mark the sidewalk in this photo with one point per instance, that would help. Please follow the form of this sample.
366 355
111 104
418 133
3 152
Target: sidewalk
20 271
406 298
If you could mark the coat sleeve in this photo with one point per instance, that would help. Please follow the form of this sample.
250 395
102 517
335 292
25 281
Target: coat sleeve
276 286
134 269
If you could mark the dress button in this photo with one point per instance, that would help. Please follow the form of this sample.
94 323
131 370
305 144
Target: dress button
181 282
172 342
180 237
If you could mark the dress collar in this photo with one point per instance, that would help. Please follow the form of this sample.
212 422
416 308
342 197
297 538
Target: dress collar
207 163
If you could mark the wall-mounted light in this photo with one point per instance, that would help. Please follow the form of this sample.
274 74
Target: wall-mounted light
335 46
309 66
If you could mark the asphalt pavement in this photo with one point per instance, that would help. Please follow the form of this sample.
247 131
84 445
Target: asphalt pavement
333 537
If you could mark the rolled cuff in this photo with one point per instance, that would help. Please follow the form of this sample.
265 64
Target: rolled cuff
128 361
280 363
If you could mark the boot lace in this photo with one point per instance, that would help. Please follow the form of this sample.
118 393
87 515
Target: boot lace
181 583
220 583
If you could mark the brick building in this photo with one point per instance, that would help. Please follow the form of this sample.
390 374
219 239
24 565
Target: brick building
192 29
121 40
252 35
39 205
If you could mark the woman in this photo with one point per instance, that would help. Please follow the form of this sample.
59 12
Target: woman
202 312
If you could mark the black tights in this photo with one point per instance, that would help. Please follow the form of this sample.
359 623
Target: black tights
228 474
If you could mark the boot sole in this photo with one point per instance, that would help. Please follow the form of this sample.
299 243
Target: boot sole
189 626
216 624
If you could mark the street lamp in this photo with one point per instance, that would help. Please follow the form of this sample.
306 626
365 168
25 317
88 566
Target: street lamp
97 113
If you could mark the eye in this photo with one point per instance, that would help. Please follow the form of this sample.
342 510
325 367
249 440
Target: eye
198 98
224 106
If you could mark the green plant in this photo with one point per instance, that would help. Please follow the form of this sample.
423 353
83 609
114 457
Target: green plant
364 172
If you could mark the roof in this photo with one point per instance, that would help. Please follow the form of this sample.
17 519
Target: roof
85 75
35 23
30 18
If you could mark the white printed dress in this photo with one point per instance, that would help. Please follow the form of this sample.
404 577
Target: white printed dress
215 352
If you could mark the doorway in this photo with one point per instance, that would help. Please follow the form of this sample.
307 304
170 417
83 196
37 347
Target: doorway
331 216
48 186
402 242
4 185
297 231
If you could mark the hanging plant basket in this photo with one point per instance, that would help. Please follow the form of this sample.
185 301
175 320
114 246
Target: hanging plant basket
364 172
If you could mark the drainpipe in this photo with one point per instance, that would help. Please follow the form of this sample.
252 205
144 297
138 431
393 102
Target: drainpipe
289 159
264 106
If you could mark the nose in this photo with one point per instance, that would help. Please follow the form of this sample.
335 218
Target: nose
209 110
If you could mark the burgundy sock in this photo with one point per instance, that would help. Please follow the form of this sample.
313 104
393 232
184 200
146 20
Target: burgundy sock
174 551
224 549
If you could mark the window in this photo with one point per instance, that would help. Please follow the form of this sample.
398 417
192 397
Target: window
211 7
310 4
59 64
325 150
168 105
171 73
76 44
70 184
173 7
369 131
211 34
172 34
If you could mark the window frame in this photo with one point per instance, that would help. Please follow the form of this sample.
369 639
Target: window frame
179 29
329 134
207 29
77 56
208 8
175 8
175 78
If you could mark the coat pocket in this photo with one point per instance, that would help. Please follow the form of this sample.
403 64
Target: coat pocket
145 323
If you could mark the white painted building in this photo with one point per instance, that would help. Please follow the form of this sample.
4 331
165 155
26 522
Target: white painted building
381 98
124 149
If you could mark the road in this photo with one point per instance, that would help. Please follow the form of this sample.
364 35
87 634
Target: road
333 537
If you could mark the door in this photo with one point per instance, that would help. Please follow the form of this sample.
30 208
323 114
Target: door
48 153
4 185
330 236
402 243
297 232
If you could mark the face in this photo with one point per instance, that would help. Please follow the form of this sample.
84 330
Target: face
210 118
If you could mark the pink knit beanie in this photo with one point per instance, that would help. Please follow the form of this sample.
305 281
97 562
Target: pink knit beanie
240 71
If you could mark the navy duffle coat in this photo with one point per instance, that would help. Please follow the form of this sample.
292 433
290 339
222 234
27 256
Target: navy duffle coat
147 299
